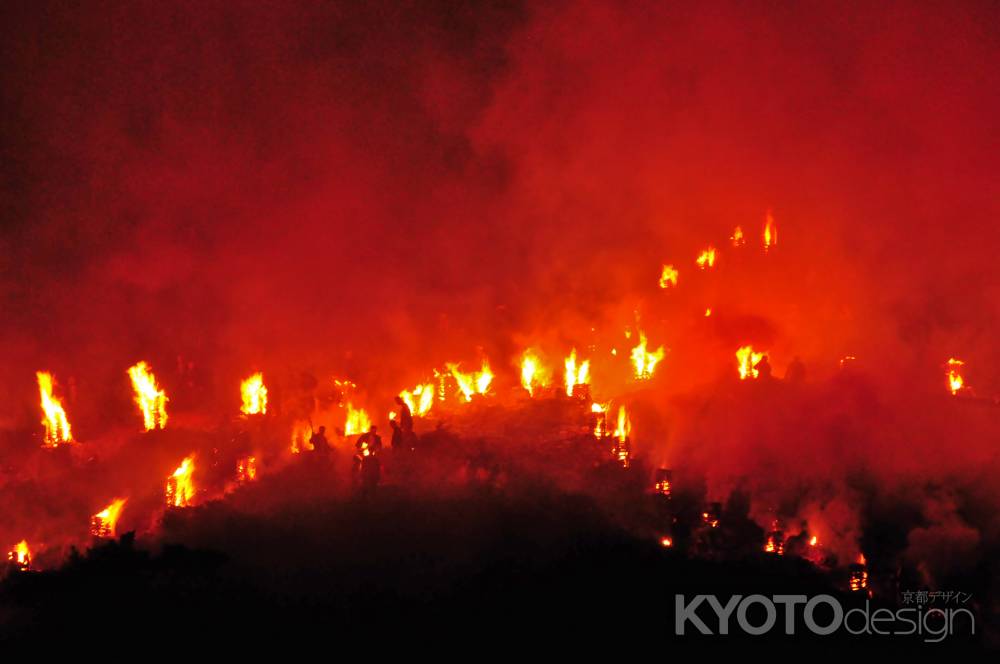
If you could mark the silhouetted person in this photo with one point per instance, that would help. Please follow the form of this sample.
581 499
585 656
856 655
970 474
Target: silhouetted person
319 442
796 371
369 467
763 368
405 416
397 435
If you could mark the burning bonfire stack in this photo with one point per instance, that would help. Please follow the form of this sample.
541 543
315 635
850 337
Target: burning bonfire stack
102 524
20 557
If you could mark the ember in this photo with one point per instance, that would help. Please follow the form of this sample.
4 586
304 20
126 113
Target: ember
180 487
664 482
56 424
103 523
254 395
152 401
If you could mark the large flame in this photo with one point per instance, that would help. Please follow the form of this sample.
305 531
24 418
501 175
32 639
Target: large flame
576 374
151 399
103 523
180 486
533 374
668 276
56 423
621 434
747 361
643 361
420 400
955 380
357 421
706 258
477 382
20 555
770 231
254 394
301 433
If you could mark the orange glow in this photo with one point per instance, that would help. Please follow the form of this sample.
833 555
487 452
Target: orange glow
955 380
357 421
813 541
301 433
747 362
254 395
666 542
246 469
622 431
643 361
420 400
600 412
56 423
706 258
737 237
668 277
576 374
770 231
533 374
708 312
180 487
20 555
152 401
477 382
103 523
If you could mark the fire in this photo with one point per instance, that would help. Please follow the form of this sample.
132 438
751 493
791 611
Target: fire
254 395
668 277
813 541
737 237
576 374
103 523
419 400
664 484
622 431
748 361
20 555
150 398
775 543
643 361
56 424
357 421
180 487
301 433
477 382
955 381
706 258
666 542
600 419
770 231
246 469
532 373
708 312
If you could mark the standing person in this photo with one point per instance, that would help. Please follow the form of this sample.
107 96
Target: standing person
320 445
405 416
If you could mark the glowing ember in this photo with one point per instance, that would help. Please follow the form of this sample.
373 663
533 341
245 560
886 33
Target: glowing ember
56 424
419 401
643 361
706 259
477 382
664 484
254 395
668 277
180 487
103 523
955 381
737 237
20 555
301 433
748 360
576 374
775 543
357 421
858 575
770 231
246 469
533 375
151 399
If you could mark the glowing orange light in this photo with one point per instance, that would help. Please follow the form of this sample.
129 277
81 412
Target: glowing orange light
55 421
357 421
246 469
20 555
180 485
301 433
747 362
955 380
576 374
737 237
254 395
770 231
668 276
643 361
706 258
477 382
533 374
666 542
149 397
419 400
708 312
103 523
600 412
621 450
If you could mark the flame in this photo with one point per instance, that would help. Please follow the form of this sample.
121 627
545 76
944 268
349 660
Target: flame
576 374
600 419
254 395
708 312
419 400
813 541
56 424
180 487
666 542
103 523
770 231
748 361
357 421
643 361
20 555
301 433
477 382
246 469
668 277
737 237
622 431
706 258
150 398
532 373
955 381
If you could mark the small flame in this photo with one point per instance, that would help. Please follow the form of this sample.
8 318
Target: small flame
737 237
643 361
20 555
955 380
180 487
576 374
813 541
149 397
103 523
668 276
254 395
708 312
748 361
56 423
770 231
301 433
357 421
246 469
706 258
419 401
666 542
